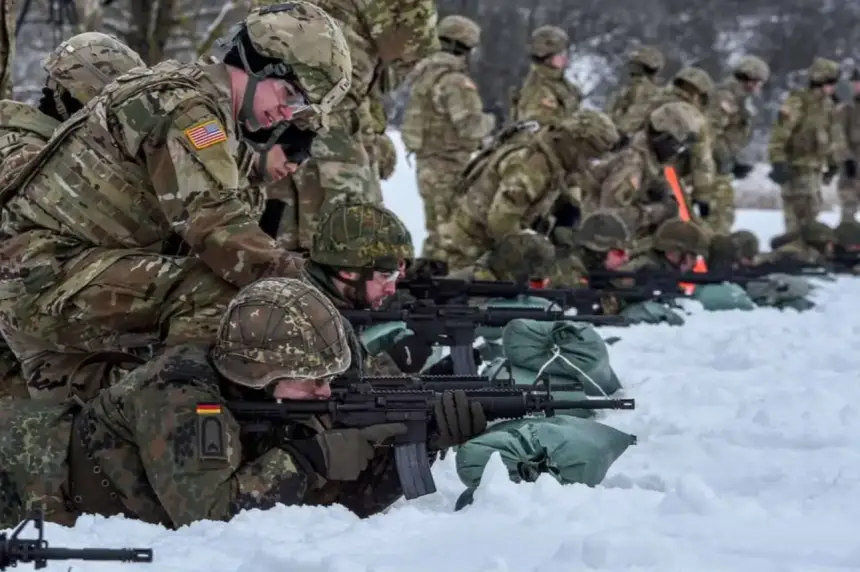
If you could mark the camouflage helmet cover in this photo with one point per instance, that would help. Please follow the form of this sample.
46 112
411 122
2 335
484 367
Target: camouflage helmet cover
593 128
746 244
679 119
305 38
681 236
752 67
817 233
649 56
602 231
697 78
280 329
85 63
823 71
460 29
548 41
848 234
523 254
362 235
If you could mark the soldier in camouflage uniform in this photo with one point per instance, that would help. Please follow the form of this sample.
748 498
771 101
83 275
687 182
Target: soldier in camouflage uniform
137 222
602 242
373 123
812 243
162 447
384 36
675 248
731 121
747 247
546 96
848 186
643 65
806 140
77 70
515 183
444 122
634 185
518 257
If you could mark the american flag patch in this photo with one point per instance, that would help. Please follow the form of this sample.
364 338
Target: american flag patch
206 134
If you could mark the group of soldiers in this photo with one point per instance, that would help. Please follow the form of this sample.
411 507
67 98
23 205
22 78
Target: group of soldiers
184 234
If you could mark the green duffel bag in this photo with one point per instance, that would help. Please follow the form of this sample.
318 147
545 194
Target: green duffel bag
519 303
379 336
572 450
651 312
781 291
567 350
720 297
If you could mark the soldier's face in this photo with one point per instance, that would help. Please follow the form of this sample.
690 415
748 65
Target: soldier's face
615 259
275 101
754 86
559 61
380 287
829 88
304 389
278 165
856 86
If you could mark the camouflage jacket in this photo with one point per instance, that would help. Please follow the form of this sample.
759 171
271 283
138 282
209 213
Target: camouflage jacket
444 114
807 134
546 96
639 90
24 131
147 432
154 161
731 121
849 120
794 250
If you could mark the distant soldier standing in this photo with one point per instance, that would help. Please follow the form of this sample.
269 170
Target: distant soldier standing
805 140
444 122
643 65
849 119
547 96
731 120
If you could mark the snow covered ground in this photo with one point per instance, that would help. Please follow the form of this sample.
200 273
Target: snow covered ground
747 461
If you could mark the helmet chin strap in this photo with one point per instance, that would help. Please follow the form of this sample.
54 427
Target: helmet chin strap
246 111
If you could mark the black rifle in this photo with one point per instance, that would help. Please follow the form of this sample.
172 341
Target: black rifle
362 405
455 325
468 383
15 550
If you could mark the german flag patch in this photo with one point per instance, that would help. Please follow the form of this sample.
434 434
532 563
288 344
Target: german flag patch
206 134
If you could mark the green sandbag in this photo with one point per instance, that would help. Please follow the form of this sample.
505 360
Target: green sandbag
519 303
501 370
781 291
651 312
719 297
572 450
377 337
531 344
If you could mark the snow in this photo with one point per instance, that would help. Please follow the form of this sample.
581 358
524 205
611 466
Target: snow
747 461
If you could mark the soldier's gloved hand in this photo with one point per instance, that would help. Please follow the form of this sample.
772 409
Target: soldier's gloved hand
704 208
849 168
410 353
830 173
741 171
458 419
780 173
342 454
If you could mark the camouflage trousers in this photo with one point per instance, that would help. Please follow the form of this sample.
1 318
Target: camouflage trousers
382 156
849 196
438 177
721 200
457 246
801 198
107 300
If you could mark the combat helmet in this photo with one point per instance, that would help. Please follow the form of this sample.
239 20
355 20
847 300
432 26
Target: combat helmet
681 236
362 236
817 234
696 80
823 71
522 255
547 41
588 132
672 128
746 244
298 41
752 68
84 64
648 57
602 231
280 329
459 30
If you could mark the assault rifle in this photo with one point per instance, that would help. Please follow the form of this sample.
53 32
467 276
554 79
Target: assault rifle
455 325
362 405
15 550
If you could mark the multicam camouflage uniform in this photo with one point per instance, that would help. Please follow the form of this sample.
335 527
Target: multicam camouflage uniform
381 34
812 243
444 122
373 123
546 95
516 183
518 257
147 448
103 224
77 69
643 65
731 120
848 187
806 139
674 235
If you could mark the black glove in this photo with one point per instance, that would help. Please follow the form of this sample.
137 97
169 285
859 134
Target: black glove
658 191
741 171
458 419
704 208
780 173
342 454
849 168
830 173
410 353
